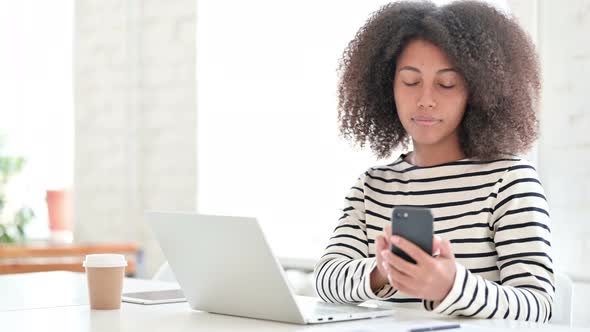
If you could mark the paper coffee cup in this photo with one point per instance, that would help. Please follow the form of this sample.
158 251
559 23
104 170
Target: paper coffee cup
105 274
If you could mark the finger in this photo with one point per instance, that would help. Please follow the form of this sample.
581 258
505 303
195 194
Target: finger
389 272
381 243
401 282
398 279
419 255
401 278
446 250
436 245
387 233
402 265
387 264
381 246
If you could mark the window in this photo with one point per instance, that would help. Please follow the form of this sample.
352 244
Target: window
36 103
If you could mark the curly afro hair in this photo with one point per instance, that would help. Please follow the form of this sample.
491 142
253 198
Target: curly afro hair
489 49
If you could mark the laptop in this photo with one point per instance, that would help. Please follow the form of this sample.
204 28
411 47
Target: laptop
224 265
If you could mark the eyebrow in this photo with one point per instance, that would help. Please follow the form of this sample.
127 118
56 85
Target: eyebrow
444 70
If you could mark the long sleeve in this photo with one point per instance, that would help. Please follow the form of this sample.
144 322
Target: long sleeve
342 275
521 233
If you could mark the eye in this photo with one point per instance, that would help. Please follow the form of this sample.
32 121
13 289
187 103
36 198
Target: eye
411 84
446 86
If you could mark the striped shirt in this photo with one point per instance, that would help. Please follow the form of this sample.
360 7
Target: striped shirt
495 215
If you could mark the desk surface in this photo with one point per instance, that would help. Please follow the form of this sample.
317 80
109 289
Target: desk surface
58 301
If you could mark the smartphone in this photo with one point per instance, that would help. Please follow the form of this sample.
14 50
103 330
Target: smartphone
155 297
415 225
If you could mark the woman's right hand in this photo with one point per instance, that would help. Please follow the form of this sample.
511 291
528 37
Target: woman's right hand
382 242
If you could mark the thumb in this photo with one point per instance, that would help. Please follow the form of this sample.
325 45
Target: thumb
436 240
387 231
381 244
445 249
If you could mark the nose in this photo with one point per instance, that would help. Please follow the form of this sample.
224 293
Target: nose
426 100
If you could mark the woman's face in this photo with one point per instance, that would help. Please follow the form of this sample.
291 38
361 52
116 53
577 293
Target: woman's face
430 95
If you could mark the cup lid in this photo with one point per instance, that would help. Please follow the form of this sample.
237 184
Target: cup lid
104 260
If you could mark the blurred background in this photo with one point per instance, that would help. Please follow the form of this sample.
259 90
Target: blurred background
110 108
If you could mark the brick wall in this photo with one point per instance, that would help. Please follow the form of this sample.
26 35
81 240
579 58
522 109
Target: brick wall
135 117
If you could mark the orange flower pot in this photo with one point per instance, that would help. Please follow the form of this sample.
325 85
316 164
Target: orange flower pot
60 209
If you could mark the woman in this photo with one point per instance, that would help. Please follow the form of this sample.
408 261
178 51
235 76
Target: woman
460 83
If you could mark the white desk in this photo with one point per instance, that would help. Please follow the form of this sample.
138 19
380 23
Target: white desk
57 301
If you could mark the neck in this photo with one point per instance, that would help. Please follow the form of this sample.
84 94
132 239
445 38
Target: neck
431 155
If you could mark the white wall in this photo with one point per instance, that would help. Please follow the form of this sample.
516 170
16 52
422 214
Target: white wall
560 29
268 139
564 147
135 119
565 143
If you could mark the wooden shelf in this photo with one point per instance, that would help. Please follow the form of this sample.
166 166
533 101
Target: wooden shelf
60 257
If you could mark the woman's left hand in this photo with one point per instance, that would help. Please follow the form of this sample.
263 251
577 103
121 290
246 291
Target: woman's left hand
431 278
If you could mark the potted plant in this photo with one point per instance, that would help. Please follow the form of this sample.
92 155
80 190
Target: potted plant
12 225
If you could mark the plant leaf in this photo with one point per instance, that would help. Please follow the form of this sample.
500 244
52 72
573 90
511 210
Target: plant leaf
4 237
23 216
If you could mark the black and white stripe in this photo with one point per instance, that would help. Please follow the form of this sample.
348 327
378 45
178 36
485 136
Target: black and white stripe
494 214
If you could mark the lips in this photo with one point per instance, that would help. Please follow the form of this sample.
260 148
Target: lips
425 120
